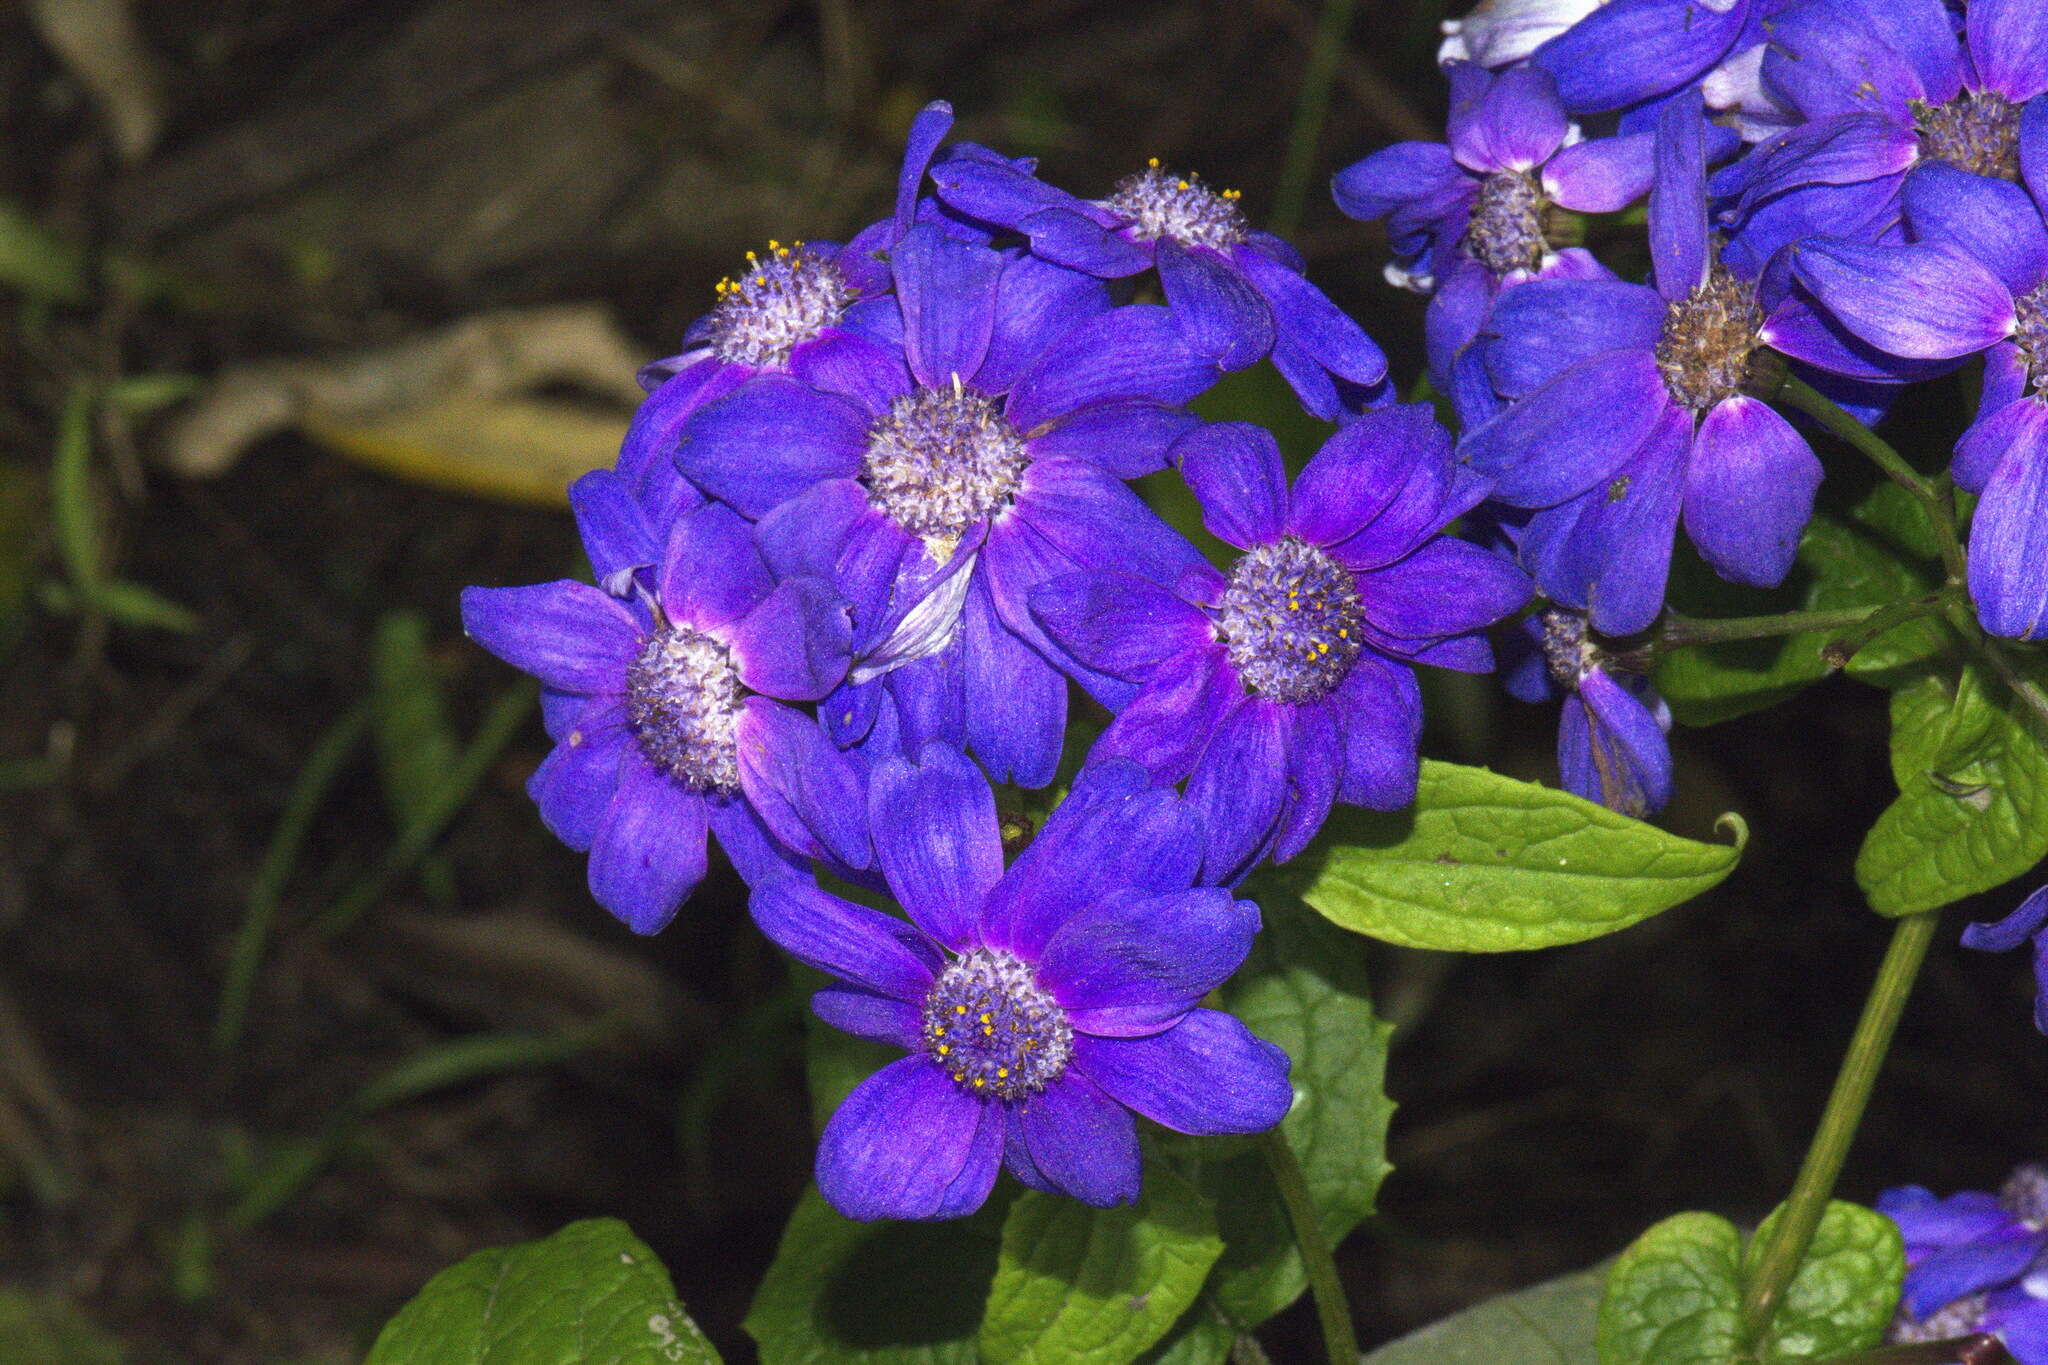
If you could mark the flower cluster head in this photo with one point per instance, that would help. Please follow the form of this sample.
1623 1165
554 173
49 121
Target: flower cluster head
1976 1262
1040 1006
1611 745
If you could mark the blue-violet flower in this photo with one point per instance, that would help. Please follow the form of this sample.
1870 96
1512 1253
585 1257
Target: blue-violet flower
1975 1263
1285 683
664 694
1040 1005
2027 923
1611 745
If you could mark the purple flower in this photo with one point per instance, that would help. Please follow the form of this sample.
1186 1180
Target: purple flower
1237 294
1284 683
1975 278
663 696
1501 32
1478 214
1628 410
935 479
2029 921
1976 1263
796 310
1040 1006
1882 90
1631 51
1611 745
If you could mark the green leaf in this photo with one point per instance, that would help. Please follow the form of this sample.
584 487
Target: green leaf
1972 810
846 1293
1097 1286
1484 863
37 1331
1673 1298
1846 1288
38 262
1879 552
1304 989
1550 1324
1201 1337
592 1294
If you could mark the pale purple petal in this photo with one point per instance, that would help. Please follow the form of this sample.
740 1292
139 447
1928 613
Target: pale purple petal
567 634
1749 489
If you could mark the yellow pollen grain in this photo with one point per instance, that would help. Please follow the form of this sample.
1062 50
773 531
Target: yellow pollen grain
959 1009
1153 162
979 1082
945 1048
984 1016
1002 1073
1182 185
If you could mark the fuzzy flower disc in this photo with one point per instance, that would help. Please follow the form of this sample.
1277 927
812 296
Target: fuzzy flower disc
1290 619
683 701
994 1029
1977 131
776 303
940 460
1709 336
1506 233
1179 208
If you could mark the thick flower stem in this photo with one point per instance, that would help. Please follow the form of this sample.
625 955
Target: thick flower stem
1680 631
1940 513
1815 1182
1331 1307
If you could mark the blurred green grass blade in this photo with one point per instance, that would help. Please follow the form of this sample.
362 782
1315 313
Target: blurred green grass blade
507 713
134 605
323 767
78 539
416 746
138 394
37 262
1309 108
26 774
295 1162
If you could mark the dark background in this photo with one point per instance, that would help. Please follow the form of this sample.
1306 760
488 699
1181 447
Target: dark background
340 174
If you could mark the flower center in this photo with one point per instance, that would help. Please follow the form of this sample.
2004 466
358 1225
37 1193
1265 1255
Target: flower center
1290 619
1977 131
1506 232
2025 1195
941 460
789 297
1565 648
1709 336
1956 1319
994 1028
2031 335
683 700
1180 208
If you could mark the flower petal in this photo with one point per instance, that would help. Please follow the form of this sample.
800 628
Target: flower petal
1167 725
1114 832
1098 522
1678 198
1077 1141
1991 220
936 840
1749 488
1219 314
1378 708
1135 963
770 439
1238 786
867 1015
1927 301
610 521
1131 352
1539 329
1609 551
1306 319
1514 124
1118 623
862 947
711 574
907 1143
948 291
1128 438
2003 935
1383 481
795 644
1610 748
573 785
1572 433
1035 302
1208 1074
2009 537
2008 41
567 634
649 852
804 788
1633 50
1601 174
1234 470
1015 701
927 131
1447 587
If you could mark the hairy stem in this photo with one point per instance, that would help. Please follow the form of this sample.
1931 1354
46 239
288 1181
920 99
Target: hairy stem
1332 1309
1932 496
1815 1182
1680 631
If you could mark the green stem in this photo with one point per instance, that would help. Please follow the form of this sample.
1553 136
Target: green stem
1815 1183
1979 1348
1331 1308
1838 652
1992 652
1940 513
1680 631
1309 107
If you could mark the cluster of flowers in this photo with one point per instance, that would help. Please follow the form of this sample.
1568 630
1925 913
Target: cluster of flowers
863 533
872 522
1875 219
